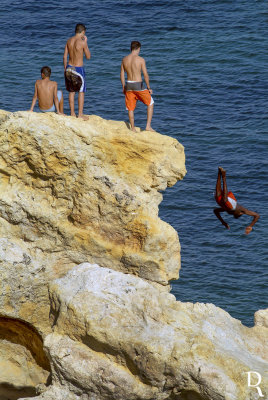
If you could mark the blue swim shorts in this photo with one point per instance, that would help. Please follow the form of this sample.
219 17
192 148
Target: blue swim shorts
75 79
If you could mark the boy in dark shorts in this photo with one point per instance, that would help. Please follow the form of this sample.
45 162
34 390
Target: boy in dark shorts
74 71
50 99
228 203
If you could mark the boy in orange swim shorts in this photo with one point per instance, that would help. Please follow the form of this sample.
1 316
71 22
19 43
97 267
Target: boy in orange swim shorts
133 88
228 203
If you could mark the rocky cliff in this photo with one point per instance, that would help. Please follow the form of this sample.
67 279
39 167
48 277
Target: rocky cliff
85 264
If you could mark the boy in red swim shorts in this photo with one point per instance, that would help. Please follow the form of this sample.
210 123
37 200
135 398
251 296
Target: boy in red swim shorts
228 203
133 88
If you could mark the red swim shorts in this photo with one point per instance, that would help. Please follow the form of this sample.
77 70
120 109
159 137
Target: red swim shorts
230 203
131 97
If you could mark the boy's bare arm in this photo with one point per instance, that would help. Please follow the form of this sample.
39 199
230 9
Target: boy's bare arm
55 97
65 57
122 76
34 97
145 74
255 216
217 212
86 49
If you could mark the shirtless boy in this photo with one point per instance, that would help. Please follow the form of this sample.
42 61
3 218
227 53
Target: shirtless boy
74 71
133 89
49 98
228 203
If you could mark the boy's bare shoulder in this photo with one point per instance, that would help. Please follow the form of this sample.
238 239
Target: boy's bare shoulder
125 58
69 41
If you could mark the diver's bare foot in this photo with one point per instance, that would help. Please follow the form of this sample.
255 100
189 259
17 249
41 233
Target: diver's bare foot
149 128
84 117
222 170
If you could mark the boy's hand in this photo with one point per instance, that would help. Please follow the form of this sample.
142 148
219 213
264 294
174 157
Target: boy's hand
226 225
248 229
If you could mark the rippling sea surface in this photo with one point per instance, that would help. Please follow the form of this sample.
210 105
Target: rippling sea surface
207 62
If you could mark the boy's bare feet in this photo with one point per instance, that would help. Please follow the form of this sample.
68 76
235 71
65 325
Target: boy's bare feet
133 129
149 128
84 117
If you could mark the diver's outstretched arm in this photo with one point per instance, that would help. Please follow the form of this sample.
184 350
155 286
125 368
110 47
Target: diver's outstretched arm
253 214
217 212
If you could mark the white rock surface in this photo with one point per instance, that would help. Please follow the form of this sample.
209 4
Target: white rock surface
149 345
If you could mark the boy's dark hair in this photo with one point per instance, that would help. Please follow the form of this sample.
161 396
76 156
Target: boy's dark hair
80 28
46 71
135 45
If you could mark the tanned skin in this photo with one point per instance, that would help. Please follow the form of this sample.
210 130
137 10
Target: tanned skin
239 211
76 47
134 65
46 93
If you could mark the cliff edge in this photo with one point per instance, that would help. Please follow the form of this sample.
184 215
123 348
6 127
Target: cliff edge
85 265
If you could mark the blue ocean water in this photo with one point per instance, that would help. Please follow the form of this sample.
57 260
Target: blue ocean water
207 62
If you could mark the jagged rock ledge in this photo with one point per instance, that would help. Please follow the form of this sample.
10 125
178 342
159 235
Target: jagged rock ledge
80 191
87 193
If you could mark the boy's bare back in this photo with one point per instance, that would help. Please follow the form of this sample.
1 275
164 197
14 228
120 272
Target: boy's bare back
134 65
46 93
75 47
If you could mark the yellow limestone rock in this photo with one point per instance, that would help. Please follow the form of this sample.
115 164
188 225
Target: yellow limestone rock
75 191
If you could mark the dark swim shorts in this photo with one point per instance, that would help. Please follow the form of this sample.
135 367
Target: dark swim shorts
75 79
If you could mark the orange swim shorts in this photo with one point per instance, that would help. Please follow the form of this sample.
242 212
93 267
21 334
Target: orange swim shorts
230 203
131 97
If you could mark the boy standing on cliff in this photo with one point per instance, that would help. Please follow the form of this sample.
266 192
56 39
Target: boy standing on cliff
133 89
49 98
228 203
74 71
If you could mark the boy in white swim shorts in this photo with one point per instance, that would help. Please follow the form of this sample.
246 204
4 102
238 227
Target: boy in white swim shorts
228 203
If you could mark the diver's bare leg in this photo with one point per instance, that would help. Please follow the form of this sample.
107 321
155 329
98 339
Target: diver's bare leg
224 186
218 190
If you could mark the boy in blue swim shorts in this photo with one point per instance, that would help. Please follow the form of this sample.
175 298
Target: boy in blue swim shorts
50 99
74 71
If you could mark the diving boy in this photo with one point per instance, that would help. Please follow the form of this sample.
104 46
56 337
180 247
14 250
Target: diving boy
133 89
228 203
74 71
50 99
